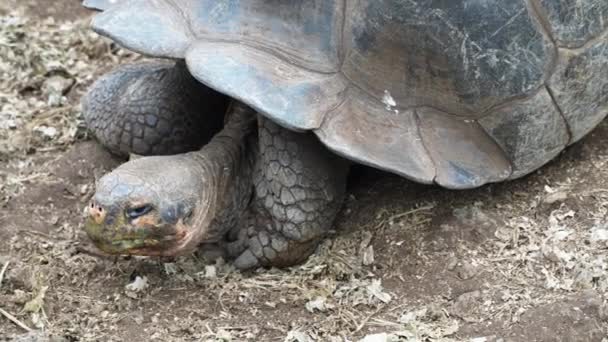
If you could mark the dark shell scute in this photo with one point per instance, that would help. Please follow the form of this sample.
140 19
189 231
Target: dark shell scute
459 56
580 87
574 22
530 131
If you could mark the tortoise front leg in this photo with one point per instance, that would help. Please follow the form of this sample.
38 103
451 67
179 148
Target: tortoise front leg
152 109
299 188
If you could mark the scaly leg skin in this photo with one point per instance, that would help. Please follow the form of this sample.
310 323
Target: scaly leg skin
152 109
299 188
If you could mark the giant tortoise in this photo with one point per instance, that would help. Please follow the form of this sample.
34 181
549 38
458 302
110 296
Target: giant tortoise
459 93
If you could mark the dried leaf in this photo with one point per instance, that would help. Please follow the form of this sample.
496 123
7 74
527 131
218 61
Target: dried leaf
375 289
319 304
36 304
138 285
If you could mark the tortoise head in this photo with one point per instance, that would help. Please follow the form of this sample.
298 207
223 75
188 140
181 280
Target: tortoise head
148 206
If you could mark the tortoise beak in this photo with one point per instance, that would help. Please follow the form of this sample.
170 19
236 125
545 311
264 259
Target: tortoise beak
111 233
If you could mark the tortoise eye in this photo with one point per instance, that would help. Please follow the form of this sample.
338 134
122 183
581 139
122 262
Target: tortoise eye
136 212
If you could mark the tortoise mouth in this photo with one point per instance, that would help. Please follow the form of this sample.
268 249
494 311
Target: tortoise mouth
143 241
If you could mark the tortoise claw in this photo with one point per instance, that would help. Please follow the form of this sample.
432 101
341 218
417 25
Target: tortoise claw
246 260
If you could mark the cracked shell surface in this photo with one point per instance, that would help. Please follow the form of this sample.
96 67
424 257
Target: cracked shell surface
580 86
361 72
575 22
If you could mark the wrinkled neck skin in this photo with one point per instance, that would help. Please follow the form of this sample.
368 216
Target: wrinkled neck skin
227 164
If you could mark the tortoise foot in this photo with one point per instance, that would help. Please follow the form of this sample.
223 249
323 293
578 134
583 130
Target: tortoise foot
152 109
261 244
299 187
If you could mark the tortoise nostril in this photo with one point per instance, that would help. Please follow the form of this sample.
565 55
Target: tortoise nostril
95 209
97 213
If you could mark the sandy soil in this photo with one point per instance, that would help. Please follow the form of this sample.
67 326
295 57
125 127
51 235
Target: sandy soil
518 261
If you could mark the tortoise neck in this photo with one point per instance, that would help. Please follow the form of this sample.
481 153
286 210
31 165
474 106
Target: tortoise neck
227 163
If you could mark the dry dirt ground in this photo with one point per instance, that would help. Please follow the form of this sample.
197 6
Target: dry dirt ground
520 261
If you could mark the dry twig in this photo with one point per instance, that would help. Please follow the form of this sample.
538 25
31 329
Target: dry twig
15 320
4 268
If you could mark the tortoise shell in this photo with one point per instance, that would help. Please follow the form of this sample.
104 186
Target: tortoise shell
456 92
